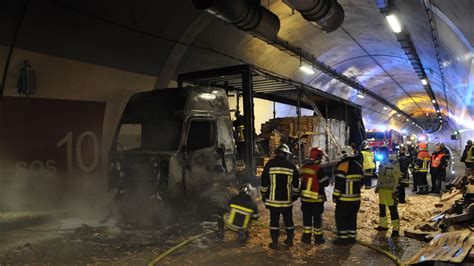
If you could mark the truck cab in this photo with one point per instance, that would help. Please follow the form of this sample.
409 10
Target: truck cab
173 146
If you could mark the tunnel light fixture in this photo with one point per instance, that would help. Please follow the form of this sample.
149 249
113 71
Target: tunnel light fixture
439 117
433 101
385 107
360 95
427 114
308 70
394 23
408 120
424 82
438 111
399 115
441 121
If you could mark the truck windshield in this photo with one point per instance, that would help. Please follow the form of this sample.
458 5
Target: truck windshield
153 121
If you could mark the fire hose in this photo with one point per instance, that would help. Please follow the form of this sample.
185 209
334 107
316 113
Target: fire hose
175 248
387 254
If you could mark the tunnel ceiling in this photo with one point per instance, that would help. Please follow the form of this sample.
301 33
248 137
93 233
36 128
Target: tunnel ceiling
146 37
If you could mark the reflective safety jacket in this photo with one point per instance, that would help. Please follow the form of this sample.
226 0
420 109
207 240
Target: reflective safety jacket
349 174
242 210
368 160
404 164
468 154
313 181
389 176
439 160
387 183
280 183
421 162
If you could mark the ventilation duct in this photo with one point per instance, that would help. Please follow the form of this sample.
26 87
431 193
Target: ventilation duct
326 14
248 15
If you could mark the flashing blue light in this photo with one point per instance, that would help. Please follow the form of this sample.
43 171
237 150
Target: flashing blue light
379 157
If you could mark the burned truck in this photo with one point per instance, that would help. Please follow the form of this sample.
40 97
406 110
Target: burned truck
172 147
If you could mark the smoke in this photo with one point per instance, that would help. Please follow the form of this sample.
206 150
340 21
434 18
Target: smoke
37 187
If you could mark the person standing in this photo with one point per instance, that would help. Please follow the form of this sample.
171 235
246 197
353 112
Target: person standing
280 188
421 168
349 174
313 181
239 129
439 162
404 181
369 167
389 176
468 155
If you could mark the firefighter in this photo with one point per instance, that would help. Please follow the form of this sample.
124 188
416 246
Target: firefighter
389 176
421 168
242 211
280 188
239 135
313 181
346 195
404 162
468 155
439 162
369 166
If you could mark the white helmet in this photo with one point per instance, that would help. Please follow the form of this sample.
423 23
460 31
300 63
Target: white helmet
346 151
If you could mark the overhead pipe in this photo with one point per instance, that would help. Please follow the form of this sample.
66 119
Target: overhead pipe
325 14
250 16
247 15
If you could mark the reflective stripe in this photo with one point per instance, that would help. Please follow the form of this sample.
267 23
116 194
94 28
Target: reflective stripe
308 171
351 188
312 200
341 175
324 179
357 176
247 210
290 228
288 186
349 199
310 194
263 189
272 195
337 194
277 205
274 228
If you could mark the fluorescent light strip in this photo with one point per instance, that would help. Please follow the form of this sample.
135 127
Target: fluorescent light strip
394 23
307 70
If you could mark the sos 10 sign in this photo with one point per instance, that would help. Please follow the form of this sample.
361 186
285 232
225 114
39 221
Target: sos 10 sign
49 137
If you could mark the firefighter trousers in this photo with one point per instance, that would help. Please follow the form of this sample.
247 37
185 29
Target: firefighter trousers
346 218
383 219
368 175
422 181
312 220
275 213
437 177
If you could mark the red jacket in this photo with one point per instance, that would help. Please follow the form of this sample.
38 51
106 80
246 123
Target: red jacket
313 181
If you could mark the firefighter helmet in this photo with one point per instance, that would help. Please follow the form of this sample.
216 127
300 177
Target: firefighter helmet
284 148
316 153
423 146
346 151
245 189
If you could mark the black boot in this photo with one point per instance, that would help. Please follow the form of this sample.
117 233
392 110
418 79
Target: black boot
306 238
243 237
290 234
274 234
319 239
